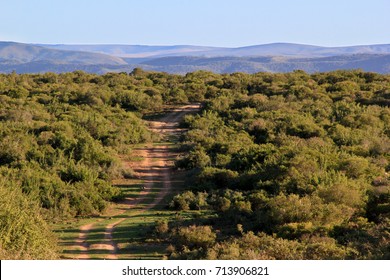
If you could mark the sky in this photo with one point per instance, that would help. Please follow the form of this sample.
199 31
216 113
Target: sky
222 23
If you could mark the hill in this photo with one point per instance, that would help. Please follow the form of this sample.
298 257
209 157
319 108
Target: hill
368 62
17 53
278 57
275 49
140 51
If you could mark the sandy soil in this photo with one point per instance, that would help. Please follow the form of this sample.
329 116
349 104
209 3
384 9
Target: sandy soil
155 166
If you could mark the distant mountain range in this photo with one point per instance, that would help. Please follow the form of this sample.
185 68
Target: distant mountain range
276 49
278 57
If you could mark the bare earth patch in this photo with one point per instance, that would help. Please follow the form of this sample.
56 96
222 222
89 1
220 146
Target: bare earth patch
155 167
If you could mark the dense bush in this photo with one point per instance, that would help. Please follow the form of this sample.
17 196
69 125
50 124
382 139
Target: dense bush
24 234
292 165
60 141
298 158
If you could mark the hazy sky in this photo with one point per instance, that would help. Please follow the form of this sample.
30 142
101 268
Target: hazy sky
198 22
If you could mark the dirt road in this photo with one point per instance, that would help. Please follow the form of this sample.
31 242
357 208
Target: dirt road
155 167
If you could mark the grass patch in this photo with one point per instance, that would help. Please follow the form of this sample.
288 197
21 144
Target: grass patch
136 236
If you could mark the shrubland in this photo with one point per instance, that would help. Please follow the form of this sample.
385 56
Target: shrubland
61 137
292 166
295 166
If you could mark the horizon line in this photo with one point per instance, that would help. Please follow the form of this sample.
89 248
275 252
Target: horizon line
192 45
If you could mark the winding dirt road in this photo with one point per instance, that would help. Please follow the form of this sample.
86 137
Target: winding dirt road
156 166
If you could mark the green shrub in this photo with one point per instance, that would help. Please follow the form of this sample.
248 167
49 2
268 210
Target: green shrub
196 236
24 233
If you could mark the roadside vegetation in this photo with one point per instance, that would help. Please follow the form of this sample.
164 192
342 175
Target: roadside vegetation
287 166
296 166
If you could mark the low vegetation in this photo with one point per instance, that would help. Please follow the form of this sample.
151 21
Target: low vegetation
293 166
296 166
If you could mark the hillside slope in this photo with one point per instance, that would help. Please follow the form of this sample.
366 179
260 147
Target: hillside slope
275 49
182 65
17 53
279 57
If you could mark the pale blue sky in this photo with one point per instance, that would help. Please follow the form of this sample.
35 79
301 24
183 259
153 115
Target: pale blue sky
228 23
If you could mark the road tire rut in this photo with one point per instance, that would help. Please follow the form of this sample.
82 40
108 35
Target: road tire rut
156 163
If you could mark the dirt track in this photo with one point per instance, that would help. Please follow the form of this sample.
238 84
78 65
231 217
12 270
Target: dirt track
156 163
